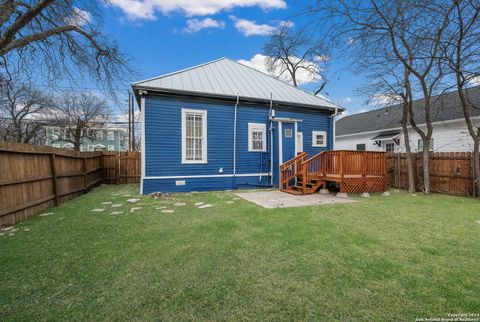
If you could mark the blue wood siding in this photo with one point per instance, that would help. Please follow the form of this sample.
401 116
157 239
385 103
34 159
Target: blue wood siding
163 155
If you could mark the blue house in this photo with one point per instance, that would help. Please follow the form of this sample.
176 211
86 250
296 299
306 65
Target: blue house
223 125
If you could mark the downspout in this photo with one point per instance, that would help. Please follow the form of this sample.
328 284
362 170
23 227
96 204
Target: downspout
270 118
235 139
333 124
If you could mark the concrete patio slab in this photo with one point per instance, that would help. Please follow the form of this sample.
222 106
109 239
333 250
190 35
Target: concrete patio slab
277 199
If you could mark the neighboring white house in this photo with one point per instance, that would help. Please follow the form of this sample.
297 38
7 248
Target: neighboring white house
380 130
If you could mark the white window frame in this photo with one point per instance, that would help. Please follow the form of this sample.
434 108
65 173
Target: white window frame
111 136
386 147
420 145
111 147
314 139
55 134
91 147
100 135
204 159
56 145
299 139
257 127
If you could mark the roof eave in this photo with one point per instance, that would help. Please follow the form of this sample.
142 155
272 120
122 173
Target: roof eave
168 91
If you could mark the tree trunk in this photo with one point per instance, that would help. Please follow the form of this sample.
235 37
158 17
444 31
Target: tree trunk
476 166
406 137
426 166
410 168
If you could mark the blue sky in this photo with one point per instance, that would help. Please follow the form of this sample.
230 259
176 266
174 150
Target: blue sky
163 36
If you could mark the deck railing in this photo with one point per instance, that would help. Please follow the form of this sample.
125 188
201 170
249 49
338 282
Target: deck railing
333 164
290 170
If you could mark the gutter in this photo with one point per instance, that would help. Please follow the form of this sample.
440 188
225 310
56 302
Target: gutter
332 119
170 92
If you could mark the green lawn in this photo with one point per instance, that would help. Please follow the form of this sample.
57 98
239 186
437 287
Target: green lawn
379 259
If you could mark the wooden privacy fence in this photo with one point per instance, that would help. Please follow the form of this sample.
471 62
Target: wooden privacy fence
450 172
121 167
35 178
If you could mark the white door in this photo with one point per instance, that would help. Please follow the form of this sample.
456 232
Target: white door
299 142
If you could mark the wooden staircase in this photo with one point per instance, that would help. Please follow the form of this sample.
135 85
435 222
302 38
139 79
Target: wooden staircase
301 176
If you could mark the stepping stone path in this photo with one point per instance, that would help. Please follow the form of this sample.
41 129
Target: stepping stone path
116 213
478 221
237 198
115 194
98 210
205 206
133 200
179 204
230 201
126 196
11 234
7 228
159 208
135 208
199 203
46 214
117 205
168 211
107 203
26 229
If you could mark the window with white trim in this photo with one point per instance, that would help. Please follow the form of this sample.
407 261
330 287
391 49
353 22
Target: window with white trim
420 145
194 136
55 134
110 135
390 147
319 138
91 147
100 135
257 137
56 145
299 142
111 147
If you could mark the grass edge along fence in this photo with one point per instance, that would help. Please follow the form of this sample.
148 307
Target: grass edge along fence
35 178
450 172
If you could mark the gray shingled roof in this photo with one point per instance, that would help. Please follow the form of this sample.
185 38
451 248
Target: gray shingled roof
228 78
445 107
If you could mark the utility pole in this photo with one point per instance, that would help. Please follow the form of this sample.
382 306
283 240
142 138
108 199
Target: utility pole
129 122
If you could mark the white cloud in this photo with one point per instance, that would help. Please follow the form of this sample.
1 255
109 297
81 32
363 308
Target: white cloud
347 100
146 9
195 25
251 28
474 81
79 18
303 76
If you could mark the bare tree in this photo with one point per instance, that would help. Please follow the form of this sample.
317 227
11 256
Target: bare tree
289 52
386 79
461 54
61 39
411 31
22 110
79 115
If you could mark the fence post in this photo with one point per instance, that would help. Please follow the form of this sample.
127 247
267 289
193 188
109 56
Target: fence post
84 169
54 178
117 167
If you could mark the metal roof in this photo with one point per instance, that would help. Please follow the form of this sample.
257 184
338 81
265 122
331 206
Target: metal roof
225 77
444 107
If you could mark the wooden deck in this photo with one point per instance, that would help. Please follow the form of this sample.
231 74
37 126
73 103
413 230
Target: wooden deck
354 171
